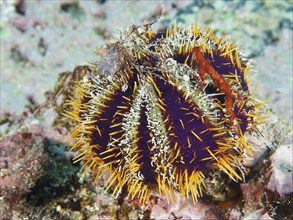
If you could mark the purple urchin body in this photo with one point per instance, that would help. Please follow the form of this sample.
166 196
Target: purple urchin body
156 123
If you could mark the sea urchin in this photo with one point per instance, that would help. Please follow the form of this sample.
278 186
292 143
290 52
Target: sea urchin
159 109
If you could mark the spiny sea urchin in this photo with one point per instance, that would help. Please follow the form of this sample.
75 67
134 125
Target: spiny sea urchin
159 109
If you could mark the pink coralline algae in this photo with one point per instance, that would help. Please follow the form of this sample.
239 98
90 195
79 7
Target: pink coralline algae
281 179
22 159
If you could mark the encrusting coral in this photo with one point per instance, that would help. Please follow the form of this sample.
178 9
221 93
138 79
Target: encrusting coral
158 110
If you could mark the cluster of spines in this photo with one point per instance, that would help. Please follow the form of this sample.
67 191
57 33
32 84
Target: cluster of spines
128 124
